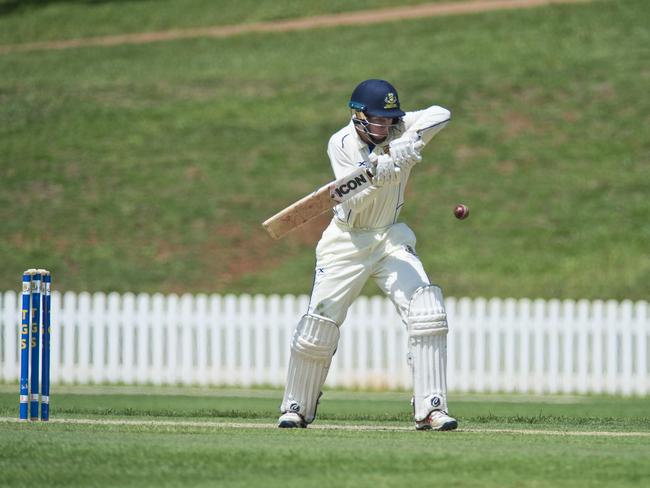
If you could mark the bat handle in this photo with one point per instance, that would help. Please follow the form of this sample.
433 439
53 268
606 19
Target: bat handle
372 158
374 161
419 144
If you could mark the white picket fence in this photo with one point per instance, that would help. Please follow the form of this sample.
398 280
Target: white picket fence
494 345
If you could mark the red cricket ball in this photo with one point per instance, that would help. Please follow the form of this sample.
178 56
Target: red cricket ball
461 211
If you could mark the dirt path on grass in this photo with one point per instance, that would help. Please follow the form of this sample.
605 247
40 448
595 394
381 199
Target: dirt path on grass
363 17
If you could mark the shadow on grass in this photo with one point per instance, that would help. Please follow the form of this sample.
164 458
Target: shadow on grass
8 7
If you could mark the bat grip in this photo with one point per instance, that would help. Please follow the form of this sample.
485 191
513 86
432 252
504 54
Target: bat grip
372 158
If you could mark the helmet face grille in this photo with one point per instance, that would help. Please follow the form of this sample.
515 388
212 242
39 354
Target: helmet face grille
374 130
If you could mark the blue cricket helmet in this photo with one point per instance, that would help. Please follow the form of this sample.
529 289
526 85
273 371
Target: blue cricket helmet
376 97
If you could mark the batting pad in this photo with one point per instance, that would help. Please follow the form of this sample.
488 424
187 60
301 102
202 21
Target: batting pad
427 330
312 348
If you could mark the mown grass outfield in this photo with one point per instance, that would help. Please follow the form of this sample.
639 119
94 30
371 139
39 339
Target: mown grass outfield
116 436
150 167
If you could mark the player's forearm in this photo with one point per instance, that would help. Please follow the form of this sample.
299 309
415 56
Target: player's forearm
427 122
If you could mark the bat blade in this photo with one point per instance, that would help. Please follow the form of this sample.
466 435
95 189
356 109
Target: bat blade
318 202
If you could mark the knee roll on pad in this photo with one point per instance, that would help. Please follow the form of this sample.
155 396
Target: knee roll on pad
427 336
315 338
312 348
426 315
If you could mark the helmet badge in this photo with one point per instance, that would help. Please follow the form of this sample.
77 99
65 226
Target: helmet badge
390 101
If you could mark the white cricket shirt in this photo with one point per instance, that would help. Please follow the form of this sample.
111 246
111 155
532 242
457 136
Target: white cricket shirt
378 207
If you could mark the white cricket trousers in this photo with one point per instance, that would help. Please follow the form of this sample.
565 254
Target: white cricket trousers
346 258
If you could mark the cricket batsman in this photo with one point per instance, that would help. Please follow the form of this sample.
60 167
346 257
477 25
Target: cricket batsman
365 240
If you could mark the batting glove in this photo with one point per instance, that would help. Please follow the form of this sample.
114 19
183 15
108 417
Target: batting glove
386 173
405 151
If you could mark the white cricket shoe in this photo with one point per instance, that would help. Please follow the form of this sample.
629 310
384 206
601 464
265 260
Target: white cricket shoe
291 420
437 420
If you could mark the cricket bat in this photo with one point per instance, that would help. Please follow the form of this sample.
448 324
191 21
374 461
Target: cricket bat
318 202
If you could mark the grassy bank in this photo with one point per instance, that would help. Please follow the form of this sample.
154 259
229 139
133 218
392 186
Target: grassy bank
150 168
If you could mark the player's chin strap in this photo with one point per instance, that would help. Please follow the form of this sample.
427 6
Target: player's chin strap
313 345
427 336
